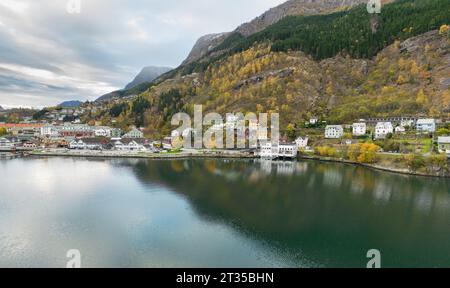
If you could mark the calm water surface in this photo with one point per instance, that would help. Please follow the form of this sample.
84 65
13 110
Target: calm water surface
218 213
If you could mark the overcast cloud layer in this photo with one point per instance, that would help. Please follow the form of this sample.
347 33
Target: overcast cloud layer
48 55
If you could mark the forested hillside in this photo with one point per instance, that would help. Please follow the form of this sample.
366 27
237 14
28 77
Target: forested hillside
333 66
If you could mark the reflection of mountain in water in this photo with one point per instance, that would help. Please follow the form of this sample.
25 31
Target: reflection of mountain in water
329 213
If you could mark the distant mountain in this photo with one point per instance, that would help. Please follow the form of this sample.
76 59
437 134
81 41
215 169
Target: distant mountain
140 83
147 75
1 108
70 104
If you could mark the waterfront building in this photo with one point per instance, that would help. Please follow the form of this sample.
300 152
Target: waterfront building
359 129
383 129
334 132
426 125
6 144
285 150
97 143
131 144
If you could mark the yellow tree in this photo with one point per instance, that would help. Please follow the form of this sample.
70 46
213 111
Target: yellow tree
421 98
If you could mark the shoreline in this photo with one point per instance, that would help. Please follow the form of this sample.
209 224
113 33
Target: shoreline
371 166
159 156
209 155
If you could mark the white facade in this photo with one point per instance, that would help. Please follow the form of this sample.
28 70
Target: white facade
407 123
444 144
313 121
122 145
50 131
281 151
134 133
400 129
302 142
334 132
359 129
5 144
426 125
102 132
383 129
82 145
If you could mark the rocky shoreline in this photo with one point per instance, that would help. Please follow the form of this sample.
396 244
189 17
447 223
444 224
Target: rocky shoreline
372 166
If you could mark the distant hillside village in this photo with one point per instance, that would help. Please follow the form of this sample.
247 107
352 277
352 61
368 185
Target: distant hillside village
63 128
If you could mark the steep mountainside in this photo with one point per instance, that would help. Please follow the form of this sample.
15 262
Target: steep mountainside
204 45
290 8
147 75
343 72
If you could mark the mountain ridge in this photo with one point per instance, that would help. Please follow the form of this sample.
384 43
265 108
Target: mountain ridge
139 84
271 16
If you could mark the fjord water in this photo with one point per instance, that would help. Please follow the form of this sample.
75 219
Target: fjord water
218 213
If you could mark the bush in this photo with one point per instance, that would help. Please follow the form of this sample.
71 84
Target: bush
414 161
363 152
326 151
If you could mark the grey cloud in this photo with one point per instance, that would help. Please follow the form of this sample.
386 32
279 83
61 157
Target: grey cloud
78 56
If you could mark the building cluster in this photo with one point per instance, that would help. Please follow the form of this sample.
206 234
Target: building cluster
383 127
75 136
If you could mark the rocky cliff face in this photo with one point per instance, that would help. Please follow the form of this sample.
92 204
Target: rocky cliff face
295 7
289 8
148 74
204 45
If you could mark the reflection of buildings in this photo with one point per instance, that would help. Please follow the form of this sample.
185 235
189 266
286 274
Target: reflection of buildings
382 191
281 167
332 177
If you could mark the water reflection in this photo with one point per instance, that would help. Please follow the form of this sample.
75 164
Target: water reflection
332 213
220 213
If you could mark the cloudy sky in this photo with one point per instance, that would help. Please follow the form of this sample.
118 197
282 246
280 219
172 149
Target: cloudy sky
48 55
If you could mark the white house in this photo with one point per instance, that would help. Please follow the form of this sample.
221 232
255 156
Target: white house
407 123
77 144
383 129
129 145
334 132
359 129
444 144
313 121
426 125
86 144
134 133
6 144
49 131
400 129
102 131
302 142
